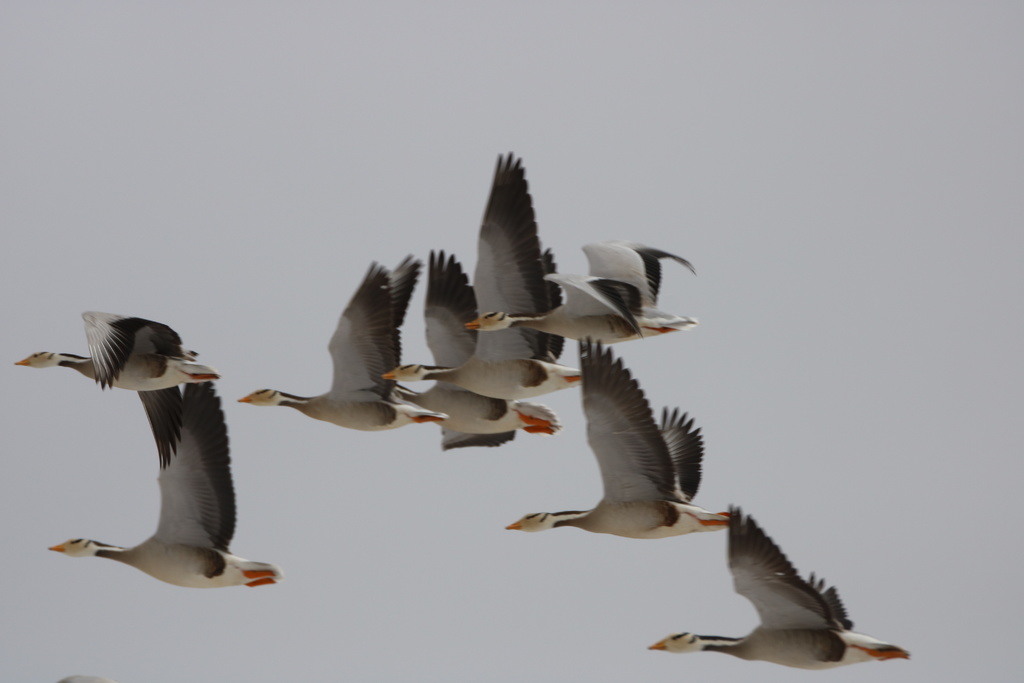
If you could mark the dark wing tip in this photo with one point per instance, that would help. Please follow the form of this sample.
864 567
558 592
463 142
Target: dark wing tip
401 282
164 410
203 421
686 448
448 286
453 439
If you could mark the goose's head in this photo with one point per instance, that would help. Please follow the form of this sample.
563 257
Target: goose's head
491 321
680 642
538 521
78 547
265 397
409 373
43 359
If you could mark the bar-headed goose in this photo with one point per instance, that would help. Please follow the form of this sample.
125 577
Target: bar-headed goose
197 510
129 353
803 624
473 419
364 345
650 474
616 302
139 355
516 363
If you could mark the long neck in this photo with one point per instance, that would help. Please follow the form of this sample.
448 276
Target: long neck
80 363
569 517
732 646
300 403
437 372
536 321
113 552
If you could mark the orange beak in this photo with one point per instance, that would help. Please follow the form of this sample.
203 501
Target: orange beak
247 399
473 325
388 375
24 362
515 526
58 548
660 645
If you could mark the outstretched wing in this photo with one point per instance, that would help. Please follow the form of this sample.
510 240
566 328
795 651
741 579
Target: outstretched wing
449 306
634 460
363 345
632 263
509 273
762 574
686 448
197 498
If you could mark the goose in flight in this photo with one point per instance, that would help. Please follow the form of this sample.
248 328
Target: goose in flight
364 345
516 363
803 624
139 355
197 509
650 473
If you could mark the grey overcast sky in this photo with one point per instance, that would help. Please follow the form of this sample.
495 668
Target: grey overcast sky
846 178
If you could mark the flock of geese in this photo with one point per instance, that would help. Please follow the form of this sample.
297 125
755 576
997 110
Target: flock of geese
495 345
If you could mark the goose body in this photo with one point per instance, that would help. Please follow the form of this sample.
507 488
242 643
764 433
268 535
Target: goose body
197 510
803 624
492 420
515 363
510 379
650 473
140 372
617 302
365 343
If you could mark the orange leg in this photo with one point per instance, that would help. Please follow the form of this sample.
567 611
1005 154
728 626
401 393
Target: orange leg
532 429
257 573
260 582
662 330
536 421
573 378
889 653
427 418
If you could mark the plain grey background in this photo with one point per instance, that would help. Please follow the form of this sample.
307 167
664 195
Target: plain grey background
846 178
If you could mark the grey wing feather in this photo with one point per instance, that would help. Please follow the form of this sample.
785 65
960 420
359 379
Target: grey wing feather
449 306
630 451
509 274
594 296
763 575
363 345
555 342
652 264
686 449
402 282
113 338
632 263
451 439
197 497
164 410
831 598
